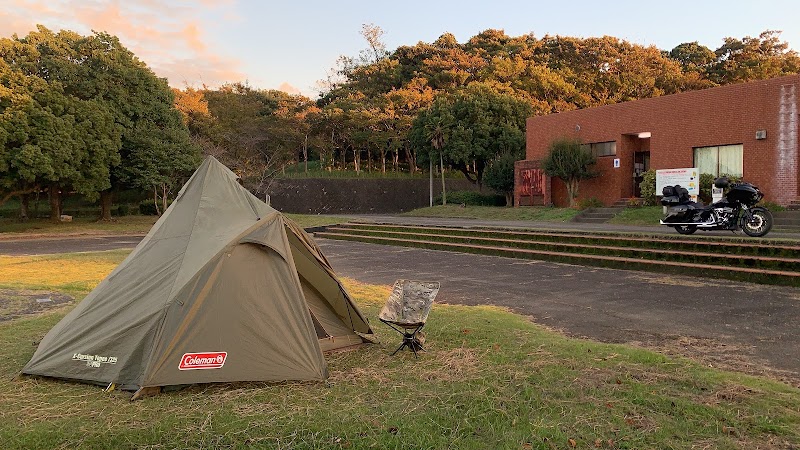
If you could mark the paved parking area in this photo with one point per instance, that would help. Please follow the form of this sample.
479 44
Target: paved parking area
741 326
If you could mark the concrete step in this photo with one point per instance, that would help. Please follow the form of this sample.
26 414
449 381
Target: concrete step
781 262
786 228
602 219
597 215
789 219
728 245
497 248
787 214
609 209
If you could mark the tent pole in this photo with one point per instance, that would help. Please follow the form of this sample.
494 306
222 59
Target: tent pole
430 171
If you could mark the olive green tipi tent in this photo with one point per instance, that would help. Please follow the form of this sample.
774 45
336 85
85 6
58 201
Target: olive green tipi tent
223 288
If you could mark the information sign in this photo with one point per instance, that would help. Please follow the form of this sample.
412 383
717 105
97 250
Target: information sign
687 178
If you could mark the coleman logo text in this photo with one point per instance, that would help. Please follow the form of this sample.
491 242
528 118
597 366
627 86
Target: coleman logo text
209 360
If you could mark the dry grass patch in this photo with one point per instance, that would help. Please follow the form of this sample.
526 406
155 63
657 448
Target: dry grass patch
368 294
68 272
731 393
457 364
16 303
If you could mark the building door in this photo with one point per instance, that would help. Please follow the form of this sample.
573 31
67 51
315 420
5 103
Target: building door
532 187
641 164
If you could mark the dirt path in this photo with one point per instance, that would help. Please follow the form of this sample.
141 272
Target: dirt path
740 326
67 244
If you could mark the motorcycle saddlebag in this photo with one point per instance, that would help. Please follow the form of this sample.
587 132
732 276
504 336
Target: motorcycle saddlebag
678 214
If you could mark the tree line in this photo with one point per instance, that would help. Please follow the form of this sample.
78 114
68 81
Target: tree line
462 106
82 114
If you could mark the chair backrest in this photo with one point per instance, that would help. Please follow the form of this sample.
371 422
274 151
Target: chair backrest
410 302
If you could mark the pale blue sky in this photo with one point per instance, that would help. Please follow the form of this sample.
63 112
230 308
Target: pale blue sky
292 44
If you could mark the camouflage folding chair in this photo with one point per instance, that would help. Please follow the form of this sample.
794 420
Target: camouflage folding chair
407 309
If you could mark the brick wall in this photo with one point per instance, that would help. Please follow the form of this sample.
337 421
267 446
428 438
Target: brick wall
678 123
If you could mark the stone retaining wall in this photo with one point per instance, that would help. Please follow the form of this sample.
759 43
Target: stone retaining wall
352 196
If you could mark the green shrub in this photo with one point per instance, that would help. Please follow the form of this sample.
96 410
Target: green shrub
148 208
772 206
592 202
707 182
500 176
648 188
567 159
124 210
132 196
472 198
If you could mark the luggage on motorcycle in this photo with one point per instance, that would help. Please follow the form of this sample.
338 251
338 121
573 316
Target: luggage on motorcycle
675 195
683 194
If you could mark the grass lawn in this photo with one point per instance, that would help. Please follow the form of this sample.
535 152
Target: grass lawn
79 225
489 380
311 220
534 213
644 216
11 228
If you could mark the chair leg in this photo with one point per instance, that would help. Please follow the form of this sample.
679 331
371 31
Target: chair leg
399 348
409 339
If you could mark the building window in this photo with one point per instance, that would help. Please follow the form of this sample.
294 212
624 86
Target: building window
601 148
719 160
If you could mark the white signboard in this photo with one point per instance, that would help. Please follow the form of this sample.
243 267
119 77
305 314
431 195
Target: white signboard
716 194
616 163
687 178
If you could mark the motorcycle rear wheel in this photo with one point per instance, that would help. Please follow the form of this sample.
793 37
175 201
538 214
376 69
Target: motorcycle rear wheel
685 229
759 223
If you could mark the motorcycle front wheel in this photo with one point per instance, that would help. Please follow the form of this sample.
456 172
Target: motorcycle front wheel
757 223
685 229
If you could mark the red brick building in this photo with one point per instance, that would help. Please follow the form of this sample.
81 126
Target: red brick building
748 129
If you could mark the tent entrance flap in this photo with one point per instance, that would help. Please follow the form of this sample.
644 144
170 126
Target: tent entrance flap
321 312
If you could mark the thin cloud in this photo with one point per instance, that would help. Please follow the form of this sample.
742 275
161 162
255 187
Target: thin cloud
169 36
194 37
288 88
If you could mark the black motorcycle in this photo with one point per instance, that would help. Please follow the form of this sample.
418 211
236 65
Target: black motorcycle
735 211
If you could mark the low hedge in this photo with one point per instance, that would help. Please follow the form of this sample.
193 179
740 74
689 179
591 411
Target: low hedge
472 198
